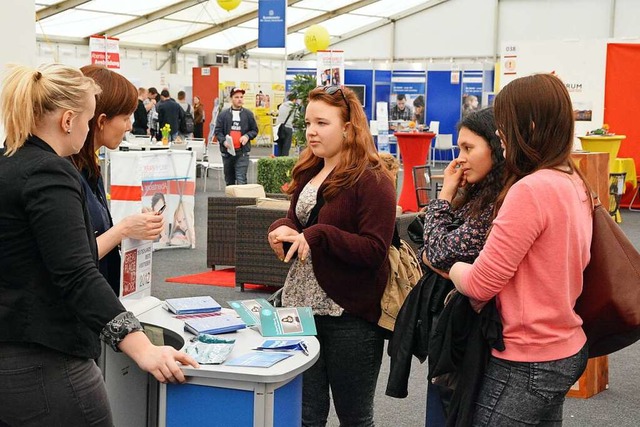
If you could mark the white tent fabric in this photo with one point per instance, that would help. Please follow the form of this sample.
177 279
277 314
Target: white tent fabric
202 25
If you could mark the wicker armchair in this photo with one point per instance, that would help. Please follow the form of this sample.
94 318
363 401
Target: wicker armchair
221 229
255 261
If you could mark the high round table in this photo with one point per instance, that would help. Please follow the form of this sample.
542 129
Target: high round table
603 143
414 149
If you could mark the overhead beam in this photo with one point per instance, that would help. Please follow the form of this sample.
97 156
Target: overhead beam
150 17
215 29
374 26
317 20
54 9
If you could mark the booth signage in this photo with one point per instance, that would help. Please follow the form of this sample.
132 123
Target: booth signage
272 29
105 51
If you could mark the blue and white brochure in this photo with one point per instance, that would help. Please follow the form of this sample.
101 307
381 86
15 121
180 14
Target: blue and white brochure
191 305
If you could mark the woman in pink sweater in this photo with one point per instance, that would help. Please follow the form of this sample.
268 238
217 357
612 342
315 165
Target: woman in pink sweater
533 259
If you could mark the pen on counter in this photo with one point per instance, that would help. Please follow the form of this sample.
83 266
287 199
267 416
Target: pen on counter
305 350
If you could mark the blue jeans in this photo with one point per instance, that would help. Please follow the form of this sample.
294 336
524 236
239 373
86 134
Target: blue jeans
43 387
349 364
526 393
235 167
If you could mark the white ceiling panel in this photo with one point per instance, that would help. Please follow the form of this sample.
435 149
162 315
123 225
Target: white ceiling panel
225 40
325 5
212 13
126 6
345 23
385 8
78 23
160 32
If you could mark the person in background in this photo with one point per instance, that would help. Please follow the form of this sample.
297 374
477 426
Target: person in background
400 111
55 302
140 122
469 104
152 114
339 228
286 115
456 223
418 110
544 210
198 117
169 112
186 108
106 129
240 125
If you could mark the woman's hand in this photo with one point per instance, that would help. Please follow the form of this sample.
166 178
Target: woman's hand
159 361
275 239
298 244
428 264
144 226
453 179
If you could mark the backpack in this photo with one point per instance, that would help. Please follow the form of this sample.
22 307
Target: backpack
404 273
186 121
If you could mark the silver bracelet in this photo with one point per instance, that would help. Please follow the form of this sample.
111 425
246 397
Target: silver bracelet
118 328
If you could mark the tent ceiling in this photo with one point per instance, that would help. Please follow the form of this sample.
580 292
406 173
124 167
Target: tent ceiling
203 26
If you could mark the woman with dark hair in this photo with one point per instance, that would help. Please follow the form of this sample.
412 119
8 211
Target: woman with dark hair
533 260
418 110
457 222
107 127
339 228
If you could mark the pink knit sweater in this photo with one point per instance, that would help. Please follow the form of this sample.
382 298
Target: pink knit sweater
533 261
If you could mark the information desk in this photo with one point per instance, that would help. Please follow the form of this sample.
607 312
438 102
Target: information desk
219 395
414 149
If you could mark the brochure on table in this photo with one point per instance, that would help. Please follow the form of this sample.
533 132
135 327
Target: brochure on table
275 322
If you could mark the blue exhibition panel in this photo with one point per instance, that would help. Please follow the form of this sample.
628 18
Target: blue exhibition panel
443 104
209 406
204 406
287 409
365 78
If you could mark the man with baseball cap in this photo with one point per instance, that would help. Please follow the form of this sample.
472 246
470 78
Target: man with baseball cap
235 128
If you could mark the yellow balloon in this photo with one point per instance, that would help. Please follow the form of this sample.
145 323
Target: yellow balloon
229 4
316 38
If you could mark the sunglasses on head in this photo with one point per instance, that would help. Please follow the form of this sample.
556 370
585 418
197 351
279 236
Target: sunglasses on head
333 89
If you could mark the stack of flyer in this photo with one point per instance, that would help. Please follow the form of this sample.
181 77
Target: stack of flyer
275 322
192 305
201 315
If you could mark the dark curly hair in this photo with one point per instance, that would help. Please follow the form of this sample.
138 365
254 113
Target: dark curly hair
482 194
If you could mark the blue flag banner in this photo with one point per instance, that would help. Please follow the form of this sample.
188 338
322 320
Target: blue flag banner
272 28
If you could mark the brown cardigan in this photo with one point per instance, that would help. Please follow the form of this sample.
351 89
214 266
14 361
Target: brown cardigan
350 241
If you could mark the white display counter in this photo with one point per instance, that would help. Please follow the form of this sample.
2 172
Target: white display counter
213 395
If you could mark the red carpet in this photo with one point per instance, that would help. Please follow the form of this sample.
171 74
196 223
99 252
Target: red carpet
225 278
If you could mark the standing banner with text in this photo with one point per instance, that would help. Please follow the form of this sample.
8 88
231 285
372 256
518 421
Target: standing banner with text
153 179
105 51
272 29
330 67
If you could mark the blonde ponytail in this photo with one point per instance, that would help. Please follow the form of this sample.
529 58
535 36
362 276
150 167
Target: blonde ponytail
30 94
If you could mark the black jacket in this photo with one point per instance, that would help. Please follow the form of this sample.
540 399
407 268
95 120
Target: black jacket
456 339
413 328
51 291
248 127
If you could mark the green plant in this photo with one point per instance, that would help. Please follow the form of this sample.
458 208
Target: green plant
300 88
274 172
